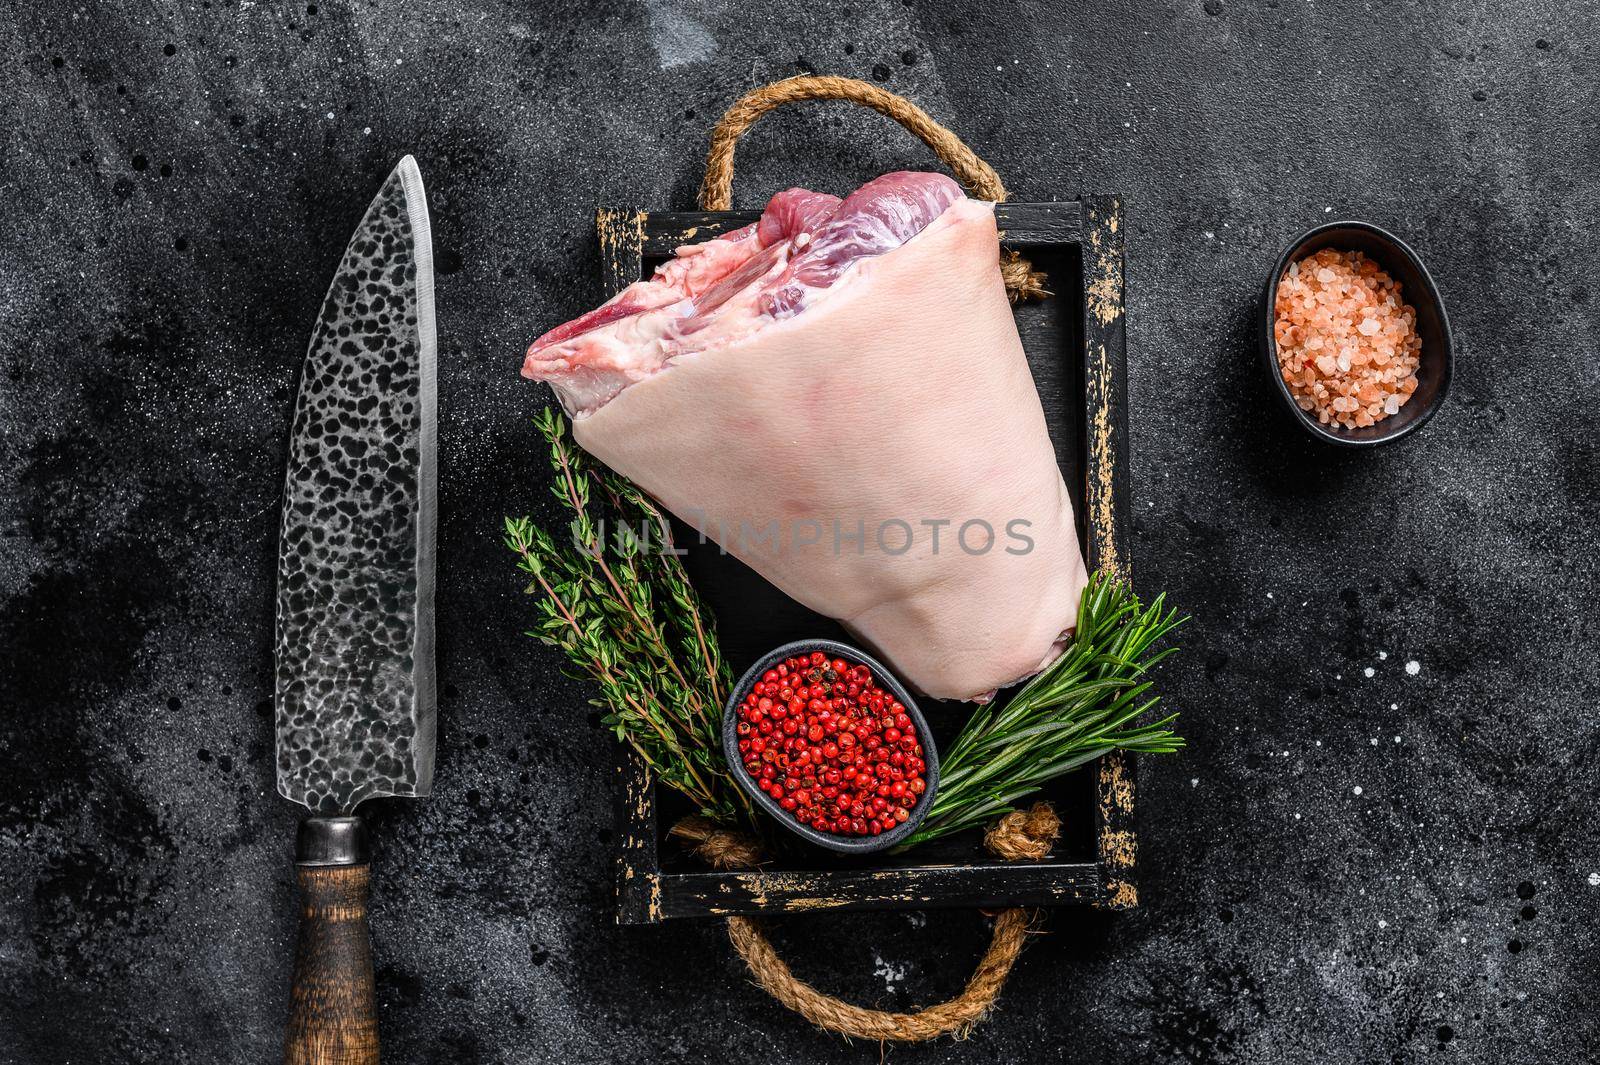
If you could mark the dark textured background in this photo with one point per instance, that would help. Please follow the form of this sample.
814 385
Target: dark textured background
1341 868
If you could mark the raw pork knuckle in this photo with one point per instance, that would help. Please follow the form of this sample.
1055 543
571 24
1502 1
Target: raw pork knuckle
837 395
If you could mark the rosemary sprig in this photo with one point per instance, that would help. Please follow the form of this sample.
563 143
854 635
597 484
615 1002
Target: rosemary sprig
617 602
1086 704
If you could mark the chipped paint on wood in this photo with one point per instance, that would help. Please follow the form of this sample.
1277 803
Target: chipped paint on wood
1101 491
638 873
1115 787
1104 284
1105 299
802 905
621 233
1119 848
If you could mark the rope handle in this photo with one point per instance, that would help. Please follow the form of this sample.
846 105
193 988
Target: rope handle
716 190
1016 837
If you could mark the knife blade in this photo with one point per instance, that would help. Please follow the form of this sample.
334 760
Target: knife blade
355 679
355 701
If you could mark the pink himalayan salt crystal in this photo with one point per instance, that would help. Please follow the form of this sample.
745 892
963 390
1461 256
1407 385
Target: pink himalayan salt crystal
1348 346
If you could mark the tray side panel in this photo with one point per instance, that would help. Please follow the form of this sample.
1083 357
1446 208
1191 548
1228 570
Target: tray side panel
1106 500
638 884
916 887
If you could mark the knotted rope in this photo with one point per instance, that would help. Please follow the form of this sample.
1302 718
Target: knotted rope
1024 836
716 191
1016 837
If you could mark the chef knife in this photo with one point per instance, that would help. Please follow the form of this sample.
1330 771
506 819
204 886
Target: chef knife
355 677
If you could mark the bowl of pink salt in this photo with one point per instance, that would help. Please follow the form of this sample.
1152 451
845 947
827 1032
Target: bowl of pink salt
1356 338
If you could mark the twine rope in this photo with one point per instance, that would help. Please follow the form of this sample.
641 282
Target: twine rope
716 191
1016 837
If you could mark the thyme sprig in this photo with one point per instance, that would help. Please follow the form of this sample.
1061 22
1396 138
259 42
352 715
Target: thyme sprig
1086 704
616 600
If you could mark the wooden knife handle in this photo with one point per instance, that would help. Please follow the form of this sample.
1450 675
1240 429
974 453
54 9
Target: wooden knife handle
333 1014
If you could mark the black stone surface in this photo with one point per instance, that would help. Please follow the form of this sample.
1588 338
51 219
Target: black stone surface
1341 868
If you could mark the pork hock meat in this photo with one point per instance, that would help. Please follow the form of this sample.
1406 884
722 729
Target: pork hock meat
837 395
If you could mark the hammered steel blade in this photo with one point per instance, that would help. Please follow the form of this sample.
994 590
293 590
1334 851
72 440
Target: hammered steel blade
355 680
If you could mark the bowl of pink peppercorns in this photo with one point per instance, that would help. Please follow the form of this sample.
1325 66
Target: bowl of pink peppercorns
828 741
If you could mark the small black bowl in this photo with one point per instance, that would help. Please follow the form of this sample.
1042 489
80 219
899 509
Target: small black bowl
885 680
1416 288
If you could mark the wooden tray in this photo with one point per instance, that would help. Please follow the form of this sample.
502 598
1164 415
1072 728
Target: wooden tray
1075 344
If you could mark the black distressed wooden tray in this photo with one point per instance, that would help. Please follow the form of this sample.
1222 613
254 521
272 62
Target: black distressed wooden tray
1075 344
